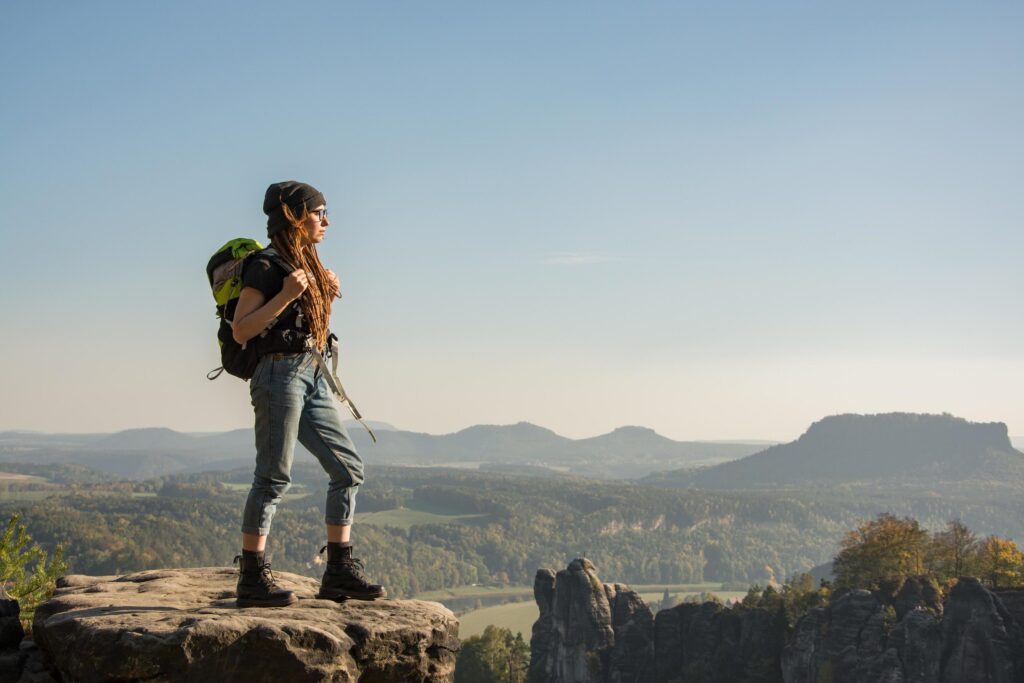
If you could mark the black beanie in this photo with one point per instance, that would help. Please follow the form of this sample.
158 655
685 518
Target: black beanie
298 196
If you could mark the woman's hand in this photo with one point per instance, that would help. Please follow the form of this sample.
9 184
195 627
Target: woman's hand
295 284
332 281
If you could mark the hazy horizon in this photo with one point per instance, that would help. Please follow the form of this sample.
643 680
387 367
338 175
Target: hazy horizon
1016 440
354 425
708 220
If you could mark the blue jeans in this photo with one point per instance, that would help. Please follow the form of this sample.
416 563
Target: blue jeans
292 401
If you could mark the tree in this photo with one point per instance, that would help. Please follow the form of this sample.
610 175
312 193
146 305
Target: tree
792 600
518 659
27 573
885 548
799 595
701 598
495 656
770 599
1000 562
952 551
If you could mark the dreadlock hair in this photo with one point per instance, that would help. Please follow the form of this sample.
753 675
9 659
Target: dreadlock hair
316 300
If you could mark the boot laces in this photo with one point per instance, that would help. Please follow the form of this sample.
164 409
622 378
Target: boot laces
356 567
267 576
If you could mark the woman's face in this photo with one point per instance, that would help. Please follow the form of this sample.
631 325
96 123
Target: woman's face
314 227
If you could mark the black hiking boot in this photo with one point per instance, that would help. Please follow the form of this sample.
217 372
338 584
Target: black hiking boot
256 587
344 579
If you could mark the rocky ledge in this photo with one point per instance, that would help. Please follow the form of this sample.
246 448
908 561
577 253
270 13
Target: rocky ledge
182 624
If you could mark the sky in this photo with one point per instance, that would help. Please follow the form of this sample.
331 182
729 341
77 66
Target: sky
717 220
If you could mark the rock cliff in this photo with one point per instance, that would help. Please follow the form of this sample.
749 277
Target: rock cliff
183 625
591 632
588 631
709 642
973 638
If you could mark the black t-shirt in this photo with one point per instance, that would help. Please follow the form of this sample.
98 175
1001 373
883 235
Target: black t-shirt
289 334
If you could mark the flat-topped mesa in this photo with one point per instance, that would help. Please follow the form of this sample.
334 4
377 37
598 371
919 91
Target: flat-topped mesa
909 431
935 452
182 624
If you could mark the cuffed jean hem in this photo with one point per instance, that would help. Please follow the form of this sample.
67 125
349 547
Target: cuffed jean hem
256 531
292 402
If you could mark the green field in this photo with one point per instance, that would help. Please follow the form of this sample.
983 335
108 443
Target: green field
21 478
516 592
29 495
13 480
511 591
654 599
418 513
293 490
518 617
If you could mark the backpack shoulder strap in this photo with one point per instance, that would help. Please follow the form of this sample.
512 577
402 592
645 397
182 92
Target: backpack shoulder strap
334 382
277 259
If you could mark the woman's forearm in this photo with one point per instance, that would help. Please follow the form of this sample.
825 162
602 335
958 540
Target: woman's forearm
251 325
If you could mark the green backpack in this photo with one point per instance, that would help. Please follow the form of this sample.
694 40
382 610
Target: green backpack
224 271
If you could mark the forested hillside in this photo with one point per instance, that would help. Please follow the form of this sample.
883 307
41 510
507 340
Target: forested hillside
429 528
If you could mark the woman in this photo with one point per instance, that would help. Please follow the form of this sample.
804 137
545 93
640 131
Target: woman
284 308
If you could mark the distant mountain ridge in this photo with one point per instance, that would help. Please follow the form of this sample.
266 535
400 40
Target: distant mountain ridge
627 452
892 447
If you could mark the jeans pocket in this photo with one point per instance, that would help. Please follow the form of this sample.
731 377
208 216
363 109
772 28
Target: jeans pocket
261 369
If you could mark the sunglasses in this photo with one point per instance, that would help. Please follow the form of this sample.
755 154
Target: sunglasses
320 214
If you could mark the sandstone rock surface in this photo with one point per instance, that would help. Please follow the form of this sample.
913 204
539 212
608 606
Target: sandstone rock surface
589 631
972 638
844 642
709 642
182 624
